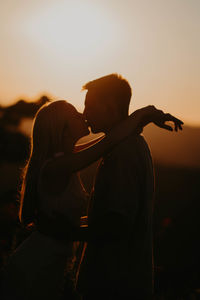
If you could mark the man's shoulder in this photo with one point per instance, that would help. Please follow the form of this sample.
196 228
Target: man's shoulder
133 151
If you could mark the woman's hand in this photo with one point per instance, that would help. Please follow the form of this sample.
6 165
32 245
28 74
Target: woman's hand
161 118
150 114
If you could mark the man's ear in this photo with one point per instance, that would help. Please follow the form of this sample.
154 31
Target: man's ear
111 110
114 111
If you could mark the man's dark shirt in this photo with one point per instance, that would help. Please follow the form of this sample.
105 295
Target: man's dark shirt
124 186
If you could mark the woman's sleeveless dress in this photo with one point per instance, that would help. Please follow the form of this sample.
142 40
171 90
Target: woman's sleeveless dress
36 269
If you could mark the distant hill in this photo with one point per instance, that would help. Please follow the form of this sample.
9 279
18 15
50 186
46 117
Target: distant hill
174 148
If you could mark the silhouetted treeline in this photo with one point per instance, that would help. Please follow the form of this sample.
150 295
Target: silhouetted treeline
12 115
14 151
14 146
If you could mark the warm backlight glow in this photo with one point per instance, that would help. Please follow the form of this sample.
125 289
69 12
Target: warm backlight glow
76 30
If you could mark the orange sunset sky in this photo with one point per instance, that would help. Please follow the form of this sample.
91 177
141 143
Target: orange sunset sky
54 47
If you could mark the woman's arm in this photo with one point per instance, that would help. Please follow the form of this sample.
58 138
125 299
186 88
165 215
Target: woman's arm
140 118
73 162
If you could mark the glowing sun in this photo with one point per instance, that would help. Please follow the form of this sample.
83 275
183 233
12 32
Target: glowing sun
73 28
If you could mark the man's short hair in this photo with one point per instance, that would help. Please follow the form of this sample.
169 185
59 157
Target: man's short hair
113 87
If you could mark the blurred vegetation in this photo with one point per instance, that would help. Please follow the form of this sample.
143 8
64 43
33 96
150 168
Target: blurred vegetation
176 214
14 152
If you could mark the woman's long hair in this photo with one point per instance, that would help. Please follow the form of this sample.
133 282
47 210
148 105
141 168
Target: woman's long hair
46 140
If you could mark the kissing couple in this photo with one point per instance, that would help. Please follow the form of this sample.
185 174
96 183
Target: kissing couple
117 257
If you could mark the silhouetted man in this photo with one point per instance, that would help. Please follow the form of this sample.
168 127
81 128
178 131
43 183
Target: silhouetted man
118 265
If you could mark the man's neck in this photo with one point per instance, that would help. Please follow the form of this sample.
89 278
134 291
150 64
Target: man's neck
113 124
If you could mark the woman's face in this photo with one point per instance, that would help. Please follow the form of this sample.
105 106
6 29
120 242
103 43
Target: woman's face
76 128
